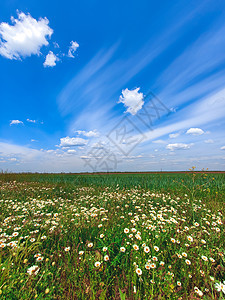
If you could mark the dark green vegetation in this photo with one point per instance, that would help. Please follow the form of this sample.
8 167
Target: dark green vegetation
112 236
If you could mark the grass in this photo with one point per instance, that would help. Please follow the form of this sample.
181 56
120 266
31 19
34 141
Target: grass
117 236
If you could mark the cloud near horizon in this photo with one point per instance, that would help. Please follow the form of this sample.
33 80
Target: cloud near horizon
72 142
178 146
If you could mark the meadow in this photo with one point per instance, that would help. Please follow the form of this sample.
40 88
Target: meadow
112 236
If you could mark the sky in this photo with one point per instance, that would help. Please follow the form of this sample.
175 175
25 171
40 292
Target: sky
88 86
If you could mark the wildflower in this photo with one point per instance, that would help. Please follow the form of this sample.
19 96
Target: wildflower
32 240
37 255
47 291
146 249
104 249
184 254
173 240
39 258
122 249
90 245
187 261
162 263
126 230
204 258
190 238
156 248
67 249
212 259
147 267
33 270
139 271
15 234
97 264
138 237
106 258
178 283
153 266
81 252
199 292
102 236
135 247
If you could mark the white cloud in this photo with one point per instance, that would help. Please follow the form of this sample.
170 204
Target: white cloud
50 60
209 141
72 49
178 146
222 148
25 37
92 133
15 122
31 121
195 131
159 142
173 135
70 142
132 99
71 151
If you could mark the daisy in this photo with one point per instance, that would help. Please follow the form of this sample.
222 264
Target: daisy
90 245
33 270
39 258
97 264
139 271
187 261
106 258
146 249
204 258
135 247
190 238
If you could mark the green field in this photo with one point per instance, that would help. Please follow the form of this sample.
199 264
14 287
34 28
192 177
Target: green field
112 236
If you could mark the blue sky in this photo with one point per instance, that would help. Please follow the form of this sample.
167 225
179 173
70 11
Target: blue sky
76 74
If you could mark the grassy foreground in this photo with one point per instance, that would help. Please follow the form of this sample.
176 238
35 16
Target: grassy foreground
144 236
